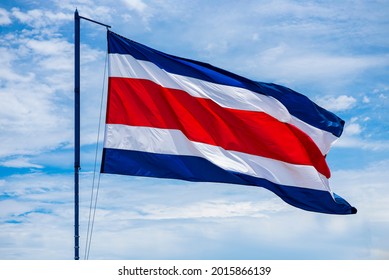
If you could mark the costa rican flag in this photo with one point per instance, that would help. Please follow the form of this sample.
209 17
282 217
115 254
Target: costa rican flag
171 117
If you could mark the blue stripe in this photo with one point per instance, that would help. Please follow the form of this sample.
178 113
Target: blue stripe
190 168
298 105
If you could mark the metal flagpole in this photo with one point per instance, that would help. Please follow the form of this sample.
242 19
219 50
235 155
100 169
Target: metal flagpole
76 132
77 166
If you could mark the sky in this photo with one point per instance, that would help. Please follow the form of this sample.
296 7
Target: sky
334 52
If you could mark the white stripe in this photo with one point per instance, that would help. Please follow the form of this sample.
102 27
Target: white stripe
323 139
227 96
174 142
126 66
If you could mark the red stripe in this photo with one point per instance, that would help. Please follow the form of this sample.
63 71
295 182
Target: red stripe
139 102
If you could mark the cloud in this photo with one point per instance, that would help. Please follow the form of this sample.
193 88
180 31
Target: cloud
336 104
36 80
366 99
19 163
54 46
285 62
137 5
39 18
294 44
7 73
213 208
354 136
352 129
168 219
367 188
101 12
4 17
31 116
361 143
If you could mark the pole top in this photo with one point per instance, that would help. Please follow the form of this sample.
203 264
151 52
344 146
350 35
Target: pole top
77 16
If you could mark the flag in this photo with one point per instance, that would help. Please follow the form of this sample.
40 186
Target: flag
172 117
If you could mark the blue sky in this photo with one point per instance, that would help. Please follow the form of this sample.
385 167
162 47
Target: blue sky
335 52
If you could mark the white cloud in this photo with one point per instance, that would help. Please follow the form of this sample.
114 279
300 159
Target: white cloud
360 143
210 209
162 219
54 46
362 136
336 104
285 62
36 85
39 18
297 43
367 187
7 73
31 118
144 13
19 163
137 5
352 129
354 137
4 17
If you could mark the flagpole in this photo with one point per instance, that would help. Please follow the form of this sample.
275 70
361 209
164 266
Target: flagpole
76 132
77 165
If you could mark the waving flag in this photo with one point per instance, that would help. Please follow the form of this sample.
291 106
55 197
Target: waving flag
171 117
